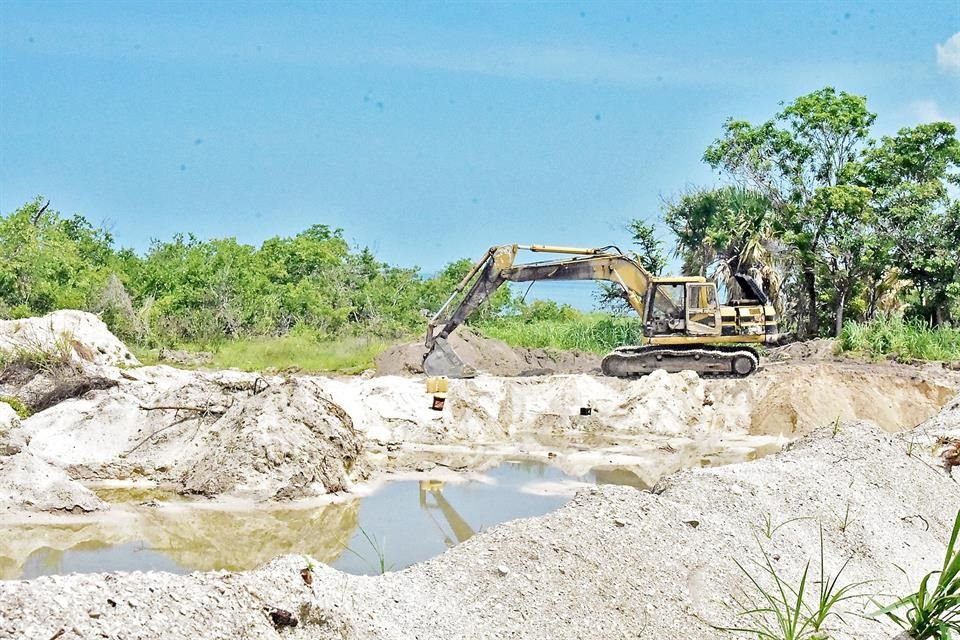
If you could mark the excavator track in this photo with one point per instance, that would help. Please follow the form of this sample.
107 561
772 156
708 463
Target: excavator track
720 360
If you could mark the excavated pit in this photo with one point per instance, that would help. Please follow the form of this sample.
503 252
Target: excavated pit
428 485
298 464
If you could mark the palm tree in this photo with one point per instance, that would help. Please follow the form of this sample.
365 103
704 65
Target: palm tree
723 232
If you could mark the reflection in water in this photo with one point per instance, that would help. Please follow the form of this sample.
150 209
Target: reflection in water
402 523
455 521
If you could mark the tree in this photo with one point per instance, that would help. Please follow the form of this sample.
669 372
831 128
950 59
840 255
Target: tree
649 254
908 175
811 144
48 262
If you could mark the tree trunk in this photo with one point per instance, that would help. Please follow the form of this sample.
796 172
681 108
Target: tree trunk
838 321
810 285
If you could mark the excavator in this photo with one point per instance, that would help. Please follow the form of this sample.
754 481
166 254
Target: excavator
684 327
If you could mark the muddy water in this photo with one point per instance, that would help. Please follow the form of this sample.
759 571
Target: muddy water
403 522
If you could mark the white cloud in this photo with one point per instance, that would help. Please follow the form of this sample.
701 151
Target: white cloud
948 54
925 111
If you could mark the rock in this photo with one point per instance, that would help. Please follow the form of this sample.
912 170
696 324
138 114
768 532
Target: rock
620 522
502 571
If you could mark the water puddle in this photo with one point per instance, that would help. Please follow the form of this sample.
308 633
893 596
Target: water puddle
404 522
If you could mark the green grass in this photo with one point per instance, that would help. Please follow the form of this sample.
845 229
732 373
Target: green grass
906 339
17 405
594 332
303 352
780 610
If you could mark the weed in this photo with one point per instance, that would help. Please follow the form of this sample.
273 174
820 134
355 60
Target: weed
785 611
933 613
769 528
378 550
836 427
17 405
52 361
893 335
594 332
846 519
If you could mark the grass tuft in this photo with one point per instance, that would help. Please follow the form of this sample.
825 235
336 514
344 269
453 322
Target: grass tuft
17 405
781 611
379 551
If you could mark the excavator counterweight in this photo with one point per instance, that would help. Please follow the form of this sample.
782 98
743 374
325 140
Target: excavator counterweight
684 327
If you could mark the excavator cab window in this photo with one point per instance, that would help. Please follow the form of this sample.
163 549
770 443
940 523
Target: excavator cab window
703 312
666 312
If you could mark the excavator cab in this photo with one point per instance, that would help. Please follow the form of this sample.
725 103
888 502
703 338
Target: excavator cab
682 307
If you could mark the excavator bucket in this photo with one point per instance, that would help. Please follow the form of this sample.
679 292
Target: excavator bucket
442 360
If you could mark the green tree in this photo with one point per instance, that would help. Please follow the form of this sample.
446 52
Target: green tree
649 253
48 262
908 175
810 145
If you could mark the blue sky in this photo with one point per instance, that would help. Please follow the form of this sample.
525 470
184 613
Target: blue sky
427 131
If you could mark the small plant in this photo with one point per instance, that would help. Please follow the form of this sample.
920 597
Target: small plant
17 405
933 613
307 572
51 360
836 427
846 519
768 528
784 611
378 550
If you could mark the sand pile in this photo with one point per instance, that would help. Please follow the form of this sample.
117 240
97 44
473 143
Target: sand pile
204 433
290 440
489 356
80 336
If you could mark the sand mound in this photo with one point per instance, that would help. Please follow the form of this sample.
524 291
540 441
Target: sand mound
81 336
818 349
27 482
489 356
289 441
206 433
805 397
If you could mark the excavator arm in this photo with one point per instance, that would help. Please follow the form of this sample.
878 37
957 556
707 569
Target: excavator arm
498 266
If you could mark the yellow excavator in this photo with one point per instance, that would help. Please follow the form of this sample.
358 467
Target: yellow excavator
684 327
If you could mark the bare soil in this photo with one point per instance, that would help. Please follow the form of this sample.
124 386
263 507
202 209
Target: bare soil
490 356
